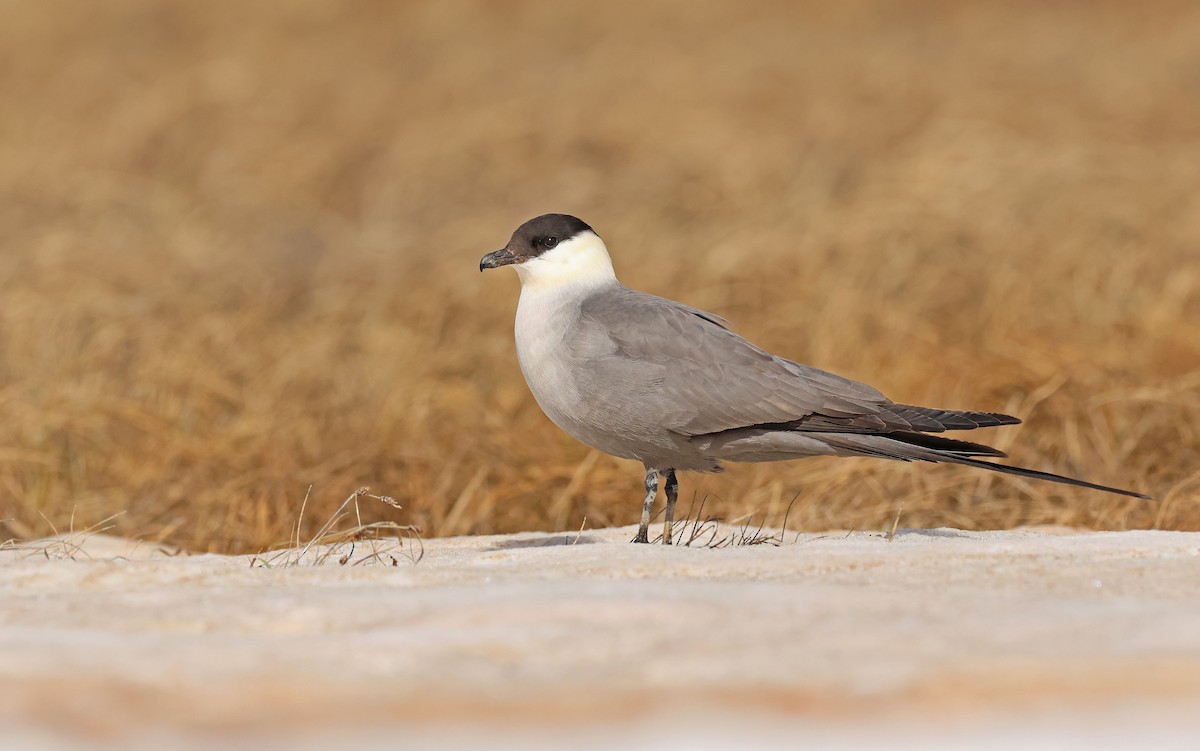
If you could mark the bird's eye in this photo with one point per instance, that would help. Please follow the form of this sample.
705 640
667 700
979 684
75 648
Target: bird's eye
550 242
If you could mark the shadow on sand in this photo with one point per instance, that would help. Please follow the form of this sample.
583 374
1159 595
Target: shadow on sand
545 542
931 533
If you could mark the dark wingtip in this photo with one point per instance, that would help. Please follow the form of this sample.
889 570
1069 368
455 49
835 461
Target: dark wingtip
934 420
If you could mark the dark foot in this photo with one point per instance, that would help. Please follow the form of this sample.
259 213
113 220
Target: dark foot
641 536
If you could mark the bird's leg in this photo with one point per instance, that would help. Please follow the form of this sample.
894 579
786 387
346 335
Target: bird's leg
672 491
643 534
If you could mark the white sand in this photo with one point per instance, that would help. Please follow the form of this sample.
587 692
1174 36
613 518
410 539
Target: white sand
940 637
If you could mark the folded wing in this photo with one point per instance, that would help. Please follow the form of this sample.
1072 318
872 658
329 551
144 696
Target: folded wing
706 379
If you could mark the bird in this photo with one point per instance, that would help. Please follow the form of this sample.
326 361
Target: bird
646 378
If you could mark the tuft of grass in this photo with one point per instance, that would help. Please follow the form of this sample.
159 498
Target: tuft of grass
697 529
373 543
239 248
67 545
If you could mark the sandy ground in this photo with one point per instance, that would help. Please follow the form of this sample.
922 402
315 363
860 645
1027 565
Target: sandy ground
1045 637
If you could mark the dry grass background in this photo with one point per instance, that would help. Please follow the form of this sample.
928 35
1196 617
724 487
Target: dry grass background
238 248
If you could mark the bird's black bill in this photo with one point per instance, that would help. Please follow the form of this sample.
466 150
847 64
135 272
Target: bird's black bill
496 259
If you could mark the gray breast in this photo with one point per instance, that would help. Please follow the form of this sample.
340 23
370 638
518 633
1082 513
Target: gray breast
587 387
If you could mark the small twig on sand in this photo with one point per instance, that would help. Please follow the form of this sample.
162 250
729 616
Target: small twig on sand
896 522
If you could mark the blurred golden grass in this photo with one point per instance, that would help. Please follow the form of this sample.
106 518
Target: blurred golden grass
239 244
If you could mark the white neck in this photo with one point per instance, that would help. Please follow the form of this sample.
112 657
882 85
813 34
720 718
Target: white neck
577 264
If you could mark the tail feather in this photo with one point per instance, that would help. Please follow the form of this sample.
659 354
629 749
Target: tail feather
918 447
1037 475
948 445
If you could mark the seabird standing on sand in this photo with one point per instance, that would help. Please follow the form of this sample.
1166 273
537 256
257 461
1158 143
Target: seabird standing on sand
642 377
